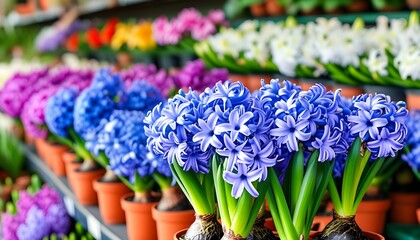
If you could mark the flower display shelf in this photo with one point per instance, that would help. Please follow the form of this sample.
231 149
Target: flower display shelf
88 216
368 17
15 19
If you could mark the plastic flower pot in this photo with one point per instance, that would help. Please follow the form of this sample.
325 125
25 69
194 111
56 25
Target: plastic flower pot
82 184
369 235
70 160
109 200
273 8
170 222
404 206
258 10
371 215
413 98
138 216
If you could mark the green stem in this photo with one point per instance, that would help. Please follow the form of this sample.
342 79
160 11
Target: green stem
242 212
193 187
220 191
305 193
285 217
275 214
335 197
163 181
359 170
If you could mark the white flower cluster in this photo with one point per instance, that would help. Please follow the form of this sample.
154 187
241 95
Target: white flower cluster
325 41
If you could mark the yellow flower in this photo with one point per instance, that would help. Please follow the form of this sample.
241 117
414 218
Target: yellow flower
141 36
122 31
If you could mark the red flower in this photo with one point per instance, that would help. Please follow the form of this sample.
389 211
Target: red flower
93 38
108 30
72 43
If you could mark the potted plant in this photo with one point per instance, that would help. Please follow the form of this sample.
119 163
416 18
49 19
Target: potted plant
406 198
307 146
376 130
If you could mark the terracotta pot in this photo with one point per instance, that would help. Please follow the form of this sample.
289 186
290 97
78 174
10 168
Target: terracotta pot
5 194
28 139
418 215
358 6
170 222
40 145
258 10
109 200
17 131
253 82
140 224
4 175
413 4
335 11
369 235
26 8
315 11
22 182
82 184
347 90
412 98
403 207
306 83
179 234
238 78
70 160
273 8
320 221
371 215
44 4
269 223
57 162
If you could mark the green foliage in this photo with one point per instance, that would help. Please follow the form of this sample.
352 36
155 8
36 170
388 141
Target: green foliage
22 37
11 154
233 8
381 4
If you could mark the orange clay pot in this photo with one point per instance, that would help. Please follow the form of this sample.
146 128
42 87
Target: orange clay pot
253 82
57 163
320 221
369 235
22 182
413 99
40 146
404 206
269 223
371 215
258 10
29 140
413 4
238 78
140 224
109 200
358 6
273 8
347 90
179 234
170 222
418 215
70 160
82 184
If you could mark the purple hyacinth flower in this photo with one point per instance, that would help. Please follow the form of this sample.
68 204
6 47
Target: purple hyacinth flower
207 135
231 151
237 123
365 123
243 179
290 131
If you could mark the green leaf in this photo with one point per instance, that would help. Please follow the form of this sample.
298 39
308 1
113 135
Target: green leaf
220 191
352 160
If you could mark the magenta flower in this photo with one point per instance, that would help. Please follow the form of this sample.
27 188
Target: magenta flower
165 32
217 17
203 29
187 19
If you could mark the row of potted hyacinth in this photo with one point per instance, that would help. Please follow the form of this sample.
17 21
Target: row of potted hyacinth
385 54
232 148
180 32
99 117
227 148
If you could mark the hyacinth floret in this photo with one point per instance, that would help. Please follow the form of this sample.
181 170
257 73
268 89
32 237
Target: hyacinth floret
142 97
380 124
59 111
